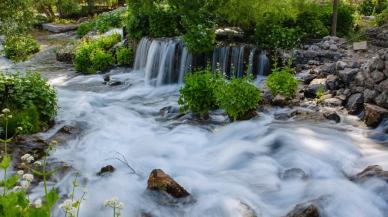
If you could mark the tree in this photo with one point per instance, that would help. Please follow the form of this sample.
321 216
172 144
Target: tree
16 16
334 21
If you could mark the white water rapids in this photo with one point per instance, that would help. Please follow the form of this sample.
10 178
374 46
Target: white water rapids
221 164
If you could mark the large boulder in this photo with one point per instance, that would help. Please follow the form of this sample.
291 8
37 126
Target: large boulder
159 181
314 86
332 82
370 95
374 171
348 75
382 99
374 115
355 103
377 76
304 210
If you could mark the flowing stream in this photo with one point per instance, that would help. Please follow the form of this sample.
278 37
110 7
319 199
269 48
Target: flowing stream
221 164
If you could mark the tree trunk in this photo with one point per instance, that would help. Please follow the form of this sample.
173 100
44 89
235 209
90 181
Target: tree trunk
334 21
90 7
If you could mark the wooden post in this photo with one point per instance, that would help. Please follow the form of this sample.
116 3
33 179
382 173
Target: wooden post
334 21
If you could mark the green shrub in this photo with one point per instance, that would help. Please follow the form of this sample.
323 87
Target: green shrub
95 55
199 38
276 31
198 93
366 7
85 28
28 120
310 25
163 23
111 19
138 26
282 81
124 56
381 5
101 60
68 8
20 48
382 18
238 98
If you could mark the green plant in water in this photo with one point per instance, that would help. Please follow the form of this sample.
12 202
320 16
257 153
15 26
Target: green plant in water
20 48
239 98
124 56
198 93
282 81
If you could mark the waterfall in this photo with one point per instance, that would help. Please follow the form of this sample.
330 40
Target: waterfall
164 61
263 63
167 60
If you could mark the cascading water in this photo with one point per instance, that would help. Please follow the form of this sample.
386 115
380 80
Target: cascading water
165 61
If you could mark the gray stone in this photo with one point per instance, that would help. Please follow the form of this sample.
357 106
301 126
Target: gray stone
362 45
380 64
58 28
340 65
311 90
374 114
246 211
280 100
370 95
333 102
347 75
329 68
333 47
383 86
326 45
374 171
382 99
332 82
294 173
377 76
332 115
304 210
355 103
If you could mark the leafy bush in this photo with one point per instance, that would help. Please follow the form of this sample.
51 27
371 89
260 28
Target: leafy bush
111 19
382 18
85 27
238 98
272 33
24 92
366 7
199 38
310 25
20 48
28 120
124 56
138 26
198 93
282 81
163 23
68 8
95 55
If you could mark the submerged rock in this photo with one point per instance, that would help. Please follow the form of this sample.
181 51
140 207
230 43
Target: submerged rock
294 173
332 115
246 211
374 114
304 210
159 181
374 171
106 170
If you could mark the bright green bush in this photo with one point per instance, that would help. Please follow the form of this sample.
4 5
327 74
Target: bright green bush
28 120
310 25
198 93
163 23
111 19
67 8
382 18
370 7
20 48
282 81
138 26
23 92
85 27
95 55
277 31
124 56
238 98
199 38
101 60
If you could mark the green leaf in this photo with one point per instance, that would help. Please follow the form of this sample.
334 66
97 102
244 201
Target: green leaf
52 197
5 162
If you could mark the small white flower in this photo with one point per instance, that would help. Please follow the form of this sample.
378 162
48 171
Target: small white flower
19 129
20 172
38 203
24 157
25 184
38 163
28 177
5 111
30 159
27 158
1 115
9 116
